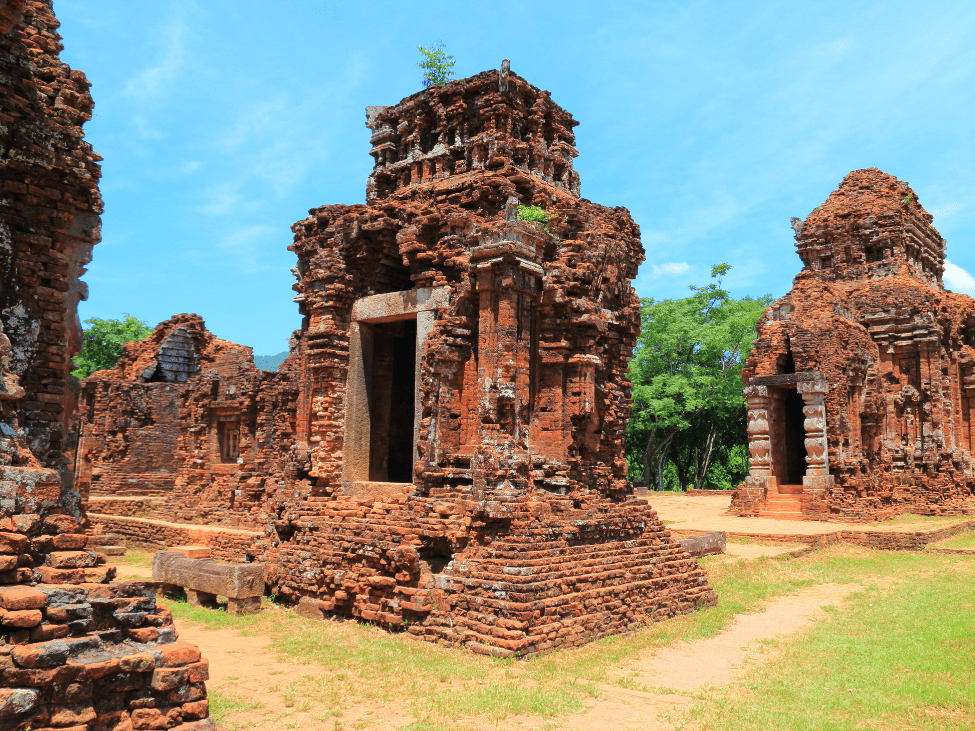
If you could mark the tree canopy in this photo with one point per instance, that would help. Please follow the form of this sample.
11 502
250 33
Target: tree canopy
103 341
688 416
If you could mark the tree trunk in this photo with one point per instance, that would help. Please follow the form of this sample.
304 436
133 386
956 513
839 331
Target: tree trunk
660 468
701 467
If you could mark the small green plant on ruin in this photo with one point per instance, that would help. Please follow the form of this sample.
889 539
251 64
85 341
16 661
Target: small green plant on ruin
437 65
907 199
536 214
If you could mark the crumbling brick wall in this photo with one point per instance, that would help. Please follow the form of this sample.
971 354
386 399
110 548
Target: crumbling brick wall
512 530
868 316
189 417
79 650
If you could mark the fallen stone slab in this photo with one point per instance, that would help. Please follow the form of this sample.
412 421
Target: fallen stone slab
204 580
713 541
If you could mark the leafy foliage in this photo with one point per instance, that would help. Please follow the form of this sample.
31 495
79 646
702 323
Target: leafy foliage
688 417
103 341
437 65
533 214
536 214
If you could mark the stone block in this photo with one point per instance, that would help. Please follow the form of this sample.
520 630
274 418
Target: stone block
309 607
209 577
13 598
713 541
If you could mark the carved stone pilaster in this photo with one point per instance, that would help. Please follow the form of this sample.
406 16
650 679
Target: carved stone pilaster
817 482
752 495
817 457
759 440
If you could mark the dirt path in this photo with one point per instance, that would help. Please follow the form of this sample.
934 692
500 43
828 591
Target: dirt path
696 666
244 670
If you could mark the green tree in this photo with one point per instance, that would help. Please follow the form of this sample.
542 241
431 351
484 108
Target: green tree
688 407
103 341
437 65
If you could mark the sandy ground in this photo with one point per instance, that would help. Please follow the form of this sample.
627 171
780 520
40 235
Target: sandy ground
710 512
701 665
244 667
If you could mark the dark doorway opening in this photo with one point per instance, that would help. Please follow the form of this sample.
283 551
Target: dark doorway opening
229 432
795 438
392 402
787 363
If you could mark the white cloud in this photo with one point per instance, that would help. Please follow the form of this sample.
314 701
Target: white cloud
672 268
958 280
151 82
942 211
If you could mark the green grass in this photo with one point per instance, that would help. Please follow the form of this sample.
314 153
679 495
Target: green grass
896 619
134 557
962 540
897 656
224 705
914 518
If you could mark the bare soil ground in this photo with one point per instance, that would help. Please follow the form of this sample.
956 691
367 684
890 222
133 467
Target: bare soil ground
710 512
245 667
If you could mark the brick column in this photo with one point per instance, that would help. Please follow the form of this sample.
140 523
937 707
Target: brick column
508 279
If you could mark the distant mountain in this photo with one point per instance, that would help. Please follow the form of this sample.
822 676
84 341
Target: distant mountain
270 362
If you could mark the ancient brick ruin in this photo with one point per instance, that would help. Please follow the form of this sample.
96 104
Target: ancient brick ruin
443 450
184 428
859 387
459 464
79 651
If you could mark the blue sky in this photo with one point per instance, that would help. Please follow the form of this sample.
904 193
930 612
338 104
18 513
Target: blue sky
222 123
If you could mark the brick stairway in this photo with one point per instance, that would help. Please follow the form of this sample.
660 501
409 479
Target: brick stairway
786 504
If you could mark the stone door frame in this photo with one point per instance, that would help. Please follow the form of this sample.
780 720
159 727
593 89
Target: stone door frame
812 386
415 304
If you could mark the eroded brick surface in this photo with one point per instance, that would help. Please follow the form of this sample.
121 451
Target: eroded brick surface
443 449
186 417
515 531
881 356
78 648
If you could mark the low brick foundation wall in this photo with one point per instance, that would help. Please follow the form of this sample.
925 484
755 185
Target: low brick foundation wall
904 540
226 544
137 507
882 540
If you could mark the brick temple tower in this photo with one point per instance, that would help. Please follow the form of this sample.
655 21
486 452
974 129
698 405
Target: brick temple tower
459 459
859 387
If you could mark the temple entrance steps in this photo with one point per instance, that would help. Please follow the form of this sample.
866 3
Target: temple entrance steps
786 504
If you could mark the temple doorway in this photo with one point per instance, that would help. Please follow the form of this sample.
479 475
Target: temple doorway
382 422
795 438
788 436
392 402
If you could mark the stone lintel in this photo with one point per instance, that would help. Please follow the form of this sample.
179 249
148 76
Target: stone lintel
404 305
790 379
